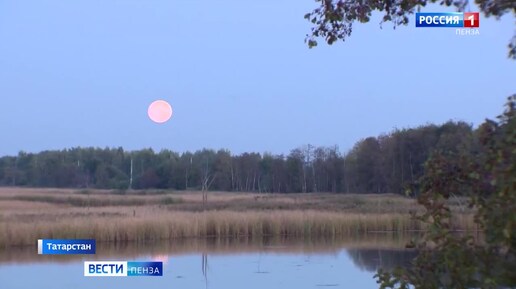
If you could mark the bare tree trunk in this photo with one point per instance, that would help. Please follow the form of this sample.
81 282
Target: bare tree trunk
131 176
411 167
186 179
232 179
15 170
402 165
315 181
187 172
204 199
304 179
205 186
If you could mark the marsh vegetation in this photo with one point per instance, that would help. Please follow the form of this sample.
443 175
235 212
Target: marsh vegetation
30 214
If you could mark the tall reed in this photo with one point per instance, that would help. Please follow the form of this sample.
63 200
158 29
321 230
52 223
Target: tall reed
171 225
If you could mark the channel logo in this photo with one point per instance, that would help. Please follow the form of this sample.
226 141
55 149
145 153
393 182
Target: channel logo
66 247
122 269
448 19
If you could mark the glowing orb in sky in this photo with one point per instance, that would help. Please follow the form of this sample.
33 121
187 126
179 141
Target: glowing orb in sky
159 111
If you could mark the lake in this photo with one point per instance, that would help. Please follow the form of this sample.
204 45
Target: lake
223 263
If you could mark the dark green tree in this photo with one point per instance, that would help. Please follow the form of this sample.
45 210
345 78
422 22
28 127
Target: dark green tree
446 260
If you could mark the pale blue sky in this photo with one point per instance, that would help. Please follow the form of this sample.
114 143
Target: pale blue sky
238 74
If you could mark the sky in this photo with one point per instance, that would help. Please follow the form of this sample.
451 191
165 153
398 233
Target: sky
237 74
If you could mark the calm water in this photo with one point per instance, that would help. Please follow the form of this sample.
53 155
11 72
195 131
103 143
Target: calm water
225 264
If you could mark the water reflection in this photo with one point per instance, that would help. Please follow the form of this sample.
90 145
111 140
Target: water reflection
374 259
161 250
219 263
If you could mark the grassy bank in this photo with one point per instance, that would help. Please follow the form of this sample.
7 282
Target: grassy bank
28 215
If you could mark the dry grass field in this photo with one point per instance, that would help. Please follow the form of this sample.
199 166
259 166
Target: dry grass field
117 216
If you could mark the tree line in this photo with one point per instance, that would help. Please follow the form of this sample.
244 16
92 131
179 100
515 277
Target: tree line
384 164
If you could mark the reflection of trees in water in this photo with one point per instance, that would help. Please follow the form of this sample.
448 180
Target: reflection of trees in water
374 259
162 250
205 268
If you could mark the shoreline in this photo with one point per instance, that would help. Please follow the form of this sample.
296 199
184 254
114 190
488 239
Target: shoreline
28 215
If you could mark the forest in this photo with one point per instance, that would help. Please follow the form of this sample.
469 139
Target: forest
389 163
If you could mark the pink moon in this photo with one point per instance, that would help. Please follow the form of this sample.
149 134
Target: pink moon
159 111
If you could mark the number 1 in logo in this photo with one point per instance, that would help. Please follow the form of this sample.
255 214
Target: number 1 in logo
472 20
